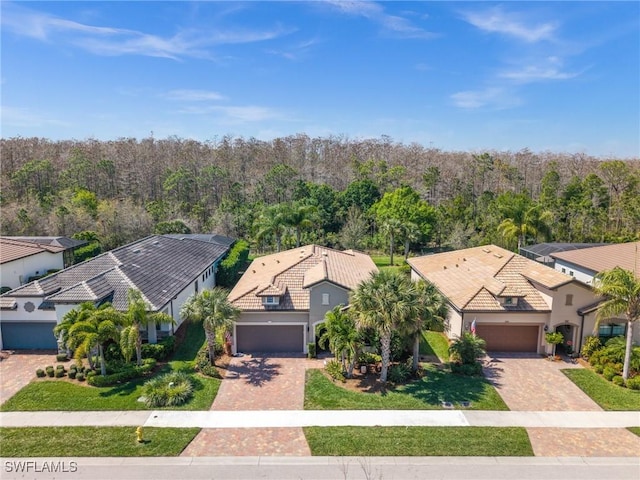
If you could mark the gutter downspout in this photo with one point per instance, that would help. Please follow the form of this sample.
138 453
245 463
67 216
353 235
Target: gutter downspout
581 330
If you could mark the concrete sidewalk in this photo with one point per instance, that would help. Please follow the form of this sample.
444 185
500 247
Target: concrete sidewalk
308 418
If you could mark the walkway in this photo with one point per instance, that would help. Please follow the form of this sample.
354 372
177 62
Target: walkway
265 383
18 368
531 382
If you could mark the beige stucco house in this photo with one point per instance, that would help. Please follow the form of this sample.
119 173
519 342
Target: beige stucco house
512 299
283 296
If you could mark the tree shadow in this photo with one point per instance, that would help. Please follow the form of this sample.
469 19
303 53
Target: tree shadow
439 386
254 371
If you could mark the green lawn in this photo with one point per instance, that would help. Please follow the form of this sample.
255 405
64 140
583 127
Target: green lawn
93 441
418 441
424 394
635 430
603 392
436 344
74 396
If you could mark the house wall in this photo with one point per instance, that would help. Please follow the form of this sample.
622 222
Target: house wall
337 296
453 323
576 271
14 274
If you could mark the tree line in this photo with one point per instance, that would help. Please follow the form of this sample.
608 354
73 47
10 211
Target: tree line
365 194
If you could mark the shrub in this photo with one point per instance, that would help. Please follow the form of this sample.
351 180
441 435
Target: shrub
467 349
72 374
62 357
210 371
50 371
468 369
399 373
202 358
80 377
59 367
232 264
633 383
609 373
311 348
591 345
40 373
335 370
598 369
121 376
618 380
60 373
167 390
161 350
369 358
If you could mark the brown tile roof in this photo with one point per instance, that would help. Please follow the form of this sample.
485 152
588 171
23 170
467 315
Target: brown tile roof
597 259
476 278
11 249
294 271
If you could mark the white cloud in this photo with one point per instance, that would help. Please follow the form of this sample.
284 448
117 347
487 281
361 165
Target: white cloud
494 97
193 95
23 117
532 73
110 41
235 113
495 20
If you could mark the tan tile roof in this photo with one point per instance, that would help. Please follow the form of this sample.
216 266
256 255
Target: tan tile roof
11 249
475 278
597 259
294 271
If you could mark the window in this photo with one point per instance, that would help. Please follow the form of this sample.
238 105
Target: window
271 300
325 299
612 330
571 272
508 301
569 299
564 270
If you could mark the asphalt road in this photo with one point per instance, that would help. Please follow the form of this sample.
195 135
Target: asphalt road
323 468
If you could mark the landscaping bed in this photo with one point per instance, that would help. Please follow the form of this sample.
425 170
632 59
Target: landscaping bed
606 394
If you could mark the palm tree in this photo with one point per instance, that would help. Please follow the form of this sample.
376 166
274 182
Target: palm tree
467 349
212 308
384 302
410 232
94 329
433 310
621 289
391 227
300 217
523 219
343 337
272 222
136 317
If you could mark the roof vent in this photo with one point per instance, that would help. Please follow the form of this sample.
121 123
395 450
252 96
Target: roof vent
253 271
497 255
444 267
136 250
486 250
326 254
156 242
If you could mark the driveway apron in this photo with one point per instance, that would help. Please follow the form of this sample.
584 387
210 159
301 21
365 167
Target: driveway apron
532 383
18 368
269 382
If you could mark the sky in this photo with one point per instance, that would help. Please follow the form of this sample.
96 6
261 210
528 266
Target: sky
461 76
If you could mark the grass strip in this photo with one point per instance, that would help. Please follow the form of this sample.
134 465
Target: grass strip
93 441
635 430
436 344
418 441
603 392
428 393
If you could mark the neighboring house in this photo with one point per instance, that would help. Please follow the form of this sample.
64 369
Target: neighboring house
20 260
282 297
69 245
205 237
585 264
166 270
513 300
543 252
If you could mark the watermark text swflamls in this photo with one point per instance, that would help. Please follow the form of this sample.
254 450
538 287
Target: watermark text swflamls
33 466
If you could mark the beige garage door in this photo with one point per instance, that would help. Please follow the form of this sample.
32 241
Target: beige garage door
270 339
509 338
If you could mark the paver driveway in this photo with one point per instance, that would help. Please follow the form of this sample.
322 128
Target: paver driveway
270 382
18 368
533 383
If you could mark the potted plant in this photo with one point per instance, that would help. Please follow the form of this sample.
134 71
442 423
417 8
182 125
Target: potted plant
553 338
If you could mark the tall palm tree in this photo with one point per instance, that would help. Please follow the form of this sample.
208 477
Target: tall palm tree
98 328
343 337
392 228
272 223
432 312
621 289
522 219
136 317
384 302
212 308
300 217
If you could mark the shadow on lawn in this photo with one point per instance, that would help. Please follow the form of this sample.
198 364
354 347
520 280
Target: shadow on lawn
439 386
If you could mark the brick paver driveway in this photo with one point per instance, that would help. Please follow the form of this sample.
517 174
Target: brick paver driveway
18 368
270 382
532 383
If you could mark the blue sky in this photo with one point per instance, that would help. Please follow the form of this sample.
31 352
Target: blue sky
559 76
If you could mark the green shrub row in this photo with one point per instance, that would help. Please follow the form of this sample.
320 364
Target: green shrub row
369 358
607 360
129 373
230 267
161 350
88 251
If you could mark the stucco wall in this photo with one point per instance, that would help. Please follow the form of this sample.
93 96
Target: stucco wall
39 264
20 314
579 273
337 296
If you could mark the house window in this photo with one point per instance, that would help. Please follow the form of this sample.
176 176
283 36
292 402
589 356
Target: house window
569 299
564 270
571 272
325 299
612 330
271 300
508 301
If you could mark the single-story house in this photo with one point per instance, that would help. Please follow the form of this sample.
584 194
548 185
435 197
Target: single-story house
283 296
585 264
166 271
512 300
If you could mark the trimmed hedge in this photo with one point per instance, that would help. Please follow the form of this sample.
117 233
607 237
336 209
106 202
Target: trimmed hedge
121 376
161 350
229 268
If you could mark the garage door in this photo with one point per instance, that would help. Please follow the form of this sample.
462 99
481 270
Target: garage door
270 339
28 336
509 338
